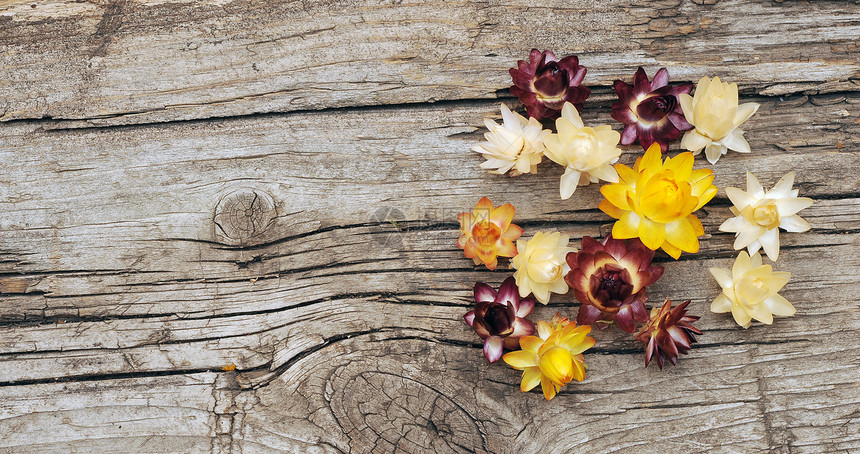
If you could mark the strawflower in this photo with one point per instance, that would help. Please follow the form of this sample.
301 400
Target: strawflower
650 110
516 145
587 154
714 112
609 278
499 317
487 233
750 291
541 266
655 201
553 359
759 215
544 83
668 333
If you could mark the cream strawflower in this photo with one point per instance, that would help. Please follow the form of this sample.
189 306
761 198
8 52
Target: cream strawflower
541 265
586 153
759 214
749 291
516 144
715 114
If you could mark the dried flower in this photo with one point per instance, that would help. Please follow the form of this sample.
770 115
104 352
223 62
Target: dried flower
487 233
655 201
541 266
545 83
650 110
667 333
714 112
609 279
758 215
553 359
516 145
586 153
499 317
750 291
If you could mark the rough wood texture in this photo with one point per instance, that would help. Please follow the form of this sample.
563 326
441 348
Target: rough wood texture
315 251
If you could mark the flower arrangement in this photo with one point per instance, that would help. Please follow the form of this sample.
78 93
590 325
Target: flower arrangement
654 205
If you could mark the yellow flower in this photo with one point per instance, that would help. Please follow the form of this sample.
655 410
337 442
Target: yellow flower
586 153
655 201
516 144
541 265
759 215
487 233
714 112
750 291
553 359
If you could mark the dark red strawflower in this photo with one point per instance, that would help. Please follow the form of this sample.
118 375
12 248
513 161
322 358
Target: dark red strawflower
650 110
667 333
545 83
498 317
609 278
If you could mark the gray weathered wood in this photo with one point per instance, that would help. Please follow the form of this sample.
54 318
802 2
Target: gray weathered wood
120 61
315 251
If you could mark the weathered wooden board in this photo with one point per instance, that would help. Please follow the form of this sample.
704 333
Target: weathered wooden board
315 251
123 61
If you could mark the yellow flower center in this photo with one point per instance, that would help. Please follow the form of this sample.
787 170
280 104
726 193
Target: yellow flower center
766 214
664 198
583 147
486 232
751 290
557 366
544 270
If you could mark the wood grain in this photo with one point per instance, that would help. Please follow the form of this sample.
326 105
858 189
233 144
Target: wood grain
188 187
120 62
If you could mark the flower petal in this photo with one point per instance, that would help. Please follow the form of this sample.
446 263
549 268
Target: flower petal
548 388
652 234
521 359
723 276
770 243
569 182
682 235
740 315
721 304
735 141
779 305
627 226
531 378
794 224
790 206
694 141
484 293
493 347
740 199
745 111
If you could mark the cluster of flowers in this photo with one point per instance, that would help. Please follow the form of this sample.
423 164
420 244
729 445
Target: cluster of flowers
654 204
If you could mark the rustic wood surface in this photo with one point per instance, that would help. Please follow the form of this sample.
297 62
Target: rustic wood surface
188 187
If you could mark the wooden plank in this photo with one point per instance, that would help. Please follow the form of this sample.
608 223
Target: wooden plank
122 62
128 275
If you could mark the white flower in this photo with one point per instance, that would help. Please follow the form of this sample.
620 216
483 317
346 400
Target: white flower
716 115
759 215
750 291
541 265
586 153
517 144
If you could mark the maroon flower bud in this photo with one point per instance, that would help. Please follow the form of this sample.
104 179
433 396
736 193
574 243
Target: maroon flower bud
545 83
650 110
667 333
609 279
498 317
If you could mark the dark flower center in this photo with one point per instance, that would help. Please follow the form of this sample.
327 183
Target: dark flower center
497 321
611 286
656 108
551 80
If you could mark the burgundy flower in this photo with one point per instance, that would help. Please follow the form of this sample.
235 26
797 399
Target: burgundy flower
545 83
498 317
650 110
609 279
667 333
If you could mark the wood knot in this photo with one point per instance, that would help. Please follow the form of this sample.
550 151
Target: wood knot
244 215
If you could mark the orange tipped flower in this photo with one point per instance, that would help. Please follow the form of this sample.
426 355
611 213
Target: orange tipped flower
487 233
655 201
553 359
668 333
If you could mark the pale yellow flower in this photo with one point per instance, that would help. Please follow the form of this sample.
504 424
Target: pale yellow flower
716 116
759 215
541 265
516 145
750 291
587 154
